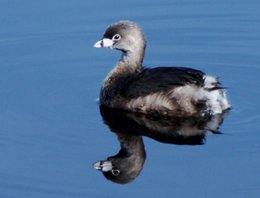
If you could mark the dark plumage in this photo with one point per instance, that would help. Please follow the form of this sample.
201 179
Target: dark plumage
160 79
168 91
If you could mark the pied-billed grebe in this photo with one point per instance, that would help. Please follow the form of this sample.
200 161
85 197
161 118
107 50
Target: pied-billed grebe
166 91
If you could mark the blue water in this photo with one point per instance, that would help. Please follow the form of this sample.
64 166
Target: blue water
51 131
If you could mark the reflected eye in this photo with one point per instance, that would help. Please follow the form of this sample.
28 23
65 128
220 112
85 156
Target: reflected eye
115 172
116 37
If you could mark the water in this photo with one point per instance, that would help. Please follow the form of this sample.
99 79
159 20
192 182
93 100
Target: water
51 131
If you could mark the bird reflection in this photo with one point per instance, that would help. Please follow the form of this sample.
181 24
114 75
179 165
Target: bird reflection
129 127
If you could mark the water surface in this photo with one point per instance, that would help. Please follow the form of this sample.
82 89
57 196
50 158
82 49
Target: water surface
51 131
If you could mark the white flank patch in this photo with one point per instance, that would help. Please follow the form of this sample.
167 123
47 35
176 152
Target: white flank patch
210 82
217 98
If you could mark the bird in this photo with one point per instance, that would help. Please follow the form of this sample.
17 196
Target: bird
161 91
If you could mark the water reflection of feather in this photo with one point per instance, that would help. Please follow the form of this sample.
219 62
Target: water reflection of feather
127 164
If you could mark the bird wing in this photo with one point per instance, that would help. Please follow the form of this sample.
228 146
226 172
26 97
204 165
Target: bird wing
161 79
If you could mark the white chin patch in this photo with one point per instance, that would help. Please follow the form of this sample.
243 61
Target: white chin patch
104 43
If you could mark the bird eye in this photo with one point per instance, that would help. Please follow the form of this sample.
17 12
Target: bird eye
116 37
115 172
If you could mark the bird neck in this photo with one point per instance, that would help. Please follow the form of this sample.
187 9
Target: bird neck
129 64
132 58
